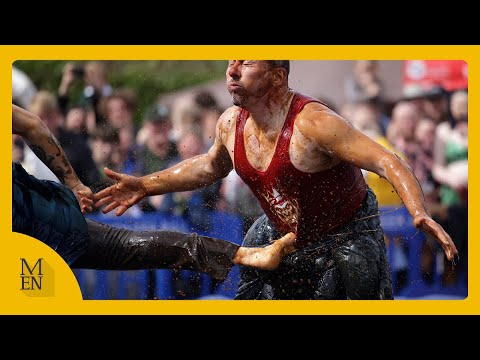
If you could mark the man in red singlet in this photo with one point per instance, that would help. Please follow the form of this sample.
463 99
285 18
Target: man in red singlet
303 162
53 213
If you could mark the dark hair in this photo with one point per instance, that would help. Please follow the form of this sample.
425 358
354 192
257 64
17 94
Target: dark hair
107 134
281 64
205 100
75 106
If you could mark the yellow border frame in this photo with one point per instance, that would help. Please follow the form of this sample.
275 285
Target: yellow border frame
67 299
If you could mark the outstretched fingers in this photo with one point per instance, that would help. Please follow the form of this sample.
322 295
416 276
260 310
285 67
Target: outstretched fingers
449 247
86 209
86 198
105 201
112 174
435 230
86 205
121 210
102 194
111 206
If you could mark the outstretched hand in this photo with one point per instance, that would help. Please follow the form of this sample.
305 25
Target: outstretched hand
84 197
436 231
127 191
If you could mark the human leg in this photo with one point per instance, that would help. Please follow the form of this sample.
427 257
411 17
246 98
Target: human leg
113 248
361 256
122 249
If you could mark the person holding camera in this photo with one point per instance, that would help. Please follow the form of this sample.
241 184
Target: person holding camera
94 76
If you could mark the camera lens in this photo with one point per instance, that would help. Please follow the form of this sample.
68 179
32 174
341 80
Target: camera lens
79 71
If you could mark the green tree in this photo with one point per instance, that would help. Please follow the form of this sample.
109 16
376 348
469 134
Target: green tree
149 79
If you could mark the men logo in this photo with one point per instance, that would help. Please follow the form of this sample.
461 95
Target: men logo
36 278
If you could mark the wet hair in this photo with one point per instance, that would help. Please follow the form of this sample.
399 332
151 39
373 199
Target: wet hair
281 64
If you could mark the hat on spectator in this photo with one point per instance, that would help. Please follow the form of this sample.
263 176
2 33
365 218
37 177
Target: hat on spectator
157 113
417 91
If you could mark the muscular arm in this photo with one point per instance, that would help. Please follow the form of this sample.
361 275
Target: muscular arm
194 173
197 172
339 139
46 147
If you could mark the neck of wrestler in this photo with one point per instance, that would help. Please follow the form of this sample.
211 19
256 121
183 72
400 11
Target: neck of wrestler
269 111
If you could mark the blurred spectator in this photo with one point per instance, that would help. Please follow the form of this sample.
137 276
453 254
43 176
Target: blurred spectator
450 169
94 76
365 86
435 104
154 150
76 120
205 100
364 83
209 114
23 88
430 100
194 206
209 125
118 110
44 105
459 107
191 122
365 118
423 164
451 152
103 143
156 113
181 105
401 130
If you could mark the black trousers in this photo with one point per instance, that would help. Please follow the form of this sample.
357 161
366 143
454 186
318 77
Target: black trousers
113 248
350 263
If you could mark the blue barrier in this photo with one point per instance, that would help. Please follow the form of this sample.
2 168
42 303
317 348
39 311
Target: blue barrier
397 222
96 284
133 285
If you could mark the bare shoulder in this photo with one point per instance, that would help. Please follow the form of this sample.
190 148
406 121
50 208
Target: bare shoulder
227 120
316 116
226 126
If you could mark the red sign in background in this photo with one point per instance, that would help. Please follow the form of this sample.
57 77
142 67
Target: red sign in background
450 74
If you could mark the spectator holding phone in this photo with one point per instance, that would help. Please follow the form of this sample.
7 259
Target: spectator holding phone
94 76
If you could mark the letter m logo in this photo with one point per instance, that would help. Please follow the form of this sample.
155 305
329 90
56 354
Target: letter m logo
29 271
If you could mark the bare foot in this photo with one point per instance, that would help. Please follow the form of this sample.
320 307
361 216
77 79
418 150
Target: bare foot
266 258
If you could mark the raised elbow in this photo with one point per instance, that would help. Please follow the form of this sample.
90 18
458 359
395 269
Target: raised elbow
391 165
